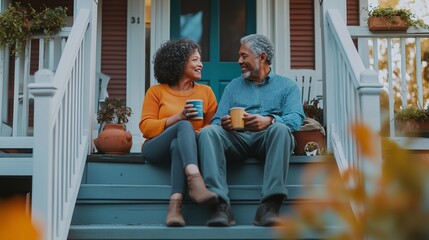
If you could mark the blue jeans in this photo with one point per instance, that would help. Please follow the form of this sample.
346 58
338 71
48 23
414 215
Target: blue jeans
178 145
273 145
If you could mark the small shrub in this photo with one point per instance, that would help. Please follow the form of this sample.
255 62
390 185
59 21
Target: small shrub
114 110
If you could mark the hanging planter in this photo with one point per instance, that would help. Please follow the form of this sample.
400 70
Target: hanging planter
394 23
18 23
390 19
412 122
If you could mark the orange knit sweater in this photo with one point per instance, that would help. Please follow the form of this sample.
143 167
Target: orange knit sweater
161 102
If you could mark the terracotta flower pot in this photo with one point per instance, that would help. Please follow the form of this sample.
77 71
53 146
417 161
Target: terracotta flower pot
114 139
413 128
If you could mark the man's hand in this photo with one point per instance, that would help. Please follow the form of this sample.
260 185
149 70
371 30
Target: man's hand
256 122
226 123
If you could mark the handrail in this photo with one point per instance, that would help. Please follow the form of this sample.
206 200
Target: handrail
355 91
61 133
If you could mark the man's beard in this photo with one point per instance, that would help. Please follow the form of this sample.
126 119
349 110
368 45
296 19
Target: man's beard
245 74
254 71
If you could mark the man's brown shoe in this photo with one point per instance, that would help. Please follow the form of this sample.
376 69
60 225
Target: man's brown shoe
221 215
268 211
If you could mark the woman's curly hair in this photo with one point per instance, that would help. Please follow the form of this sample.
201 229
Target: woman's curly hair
170 59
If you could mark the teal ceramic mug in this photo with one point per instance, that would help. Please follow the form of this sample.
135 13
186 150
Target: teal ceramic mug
198 104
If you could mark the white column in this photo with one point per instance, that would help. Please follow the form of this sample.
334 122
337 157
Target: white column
281 37
136 41
160 28
273 21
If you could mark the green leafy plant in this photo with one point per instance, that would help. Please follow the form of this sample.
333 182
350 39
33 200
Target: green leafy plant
413 121
18 23
15 27
405 14
412 113
114 110
50 20
312 110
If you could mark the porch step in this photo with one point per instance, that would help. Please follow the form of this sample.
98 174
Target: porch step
121 197
155 232
148 205
131 169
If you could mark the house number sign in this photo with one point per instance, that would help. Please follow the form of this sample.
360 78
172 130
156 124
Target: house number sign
135 20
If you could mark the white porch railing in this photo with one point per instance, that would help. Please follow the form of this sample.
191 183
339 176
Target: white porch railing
50 50
352 95
18 134
402 77
62 131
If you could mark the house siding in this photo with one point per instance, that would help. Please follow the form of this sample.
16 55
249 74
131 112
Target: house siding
302 34
353 11
114 46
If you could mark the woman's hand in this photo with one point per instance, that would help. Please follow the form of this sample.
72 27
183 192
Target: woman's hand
189 111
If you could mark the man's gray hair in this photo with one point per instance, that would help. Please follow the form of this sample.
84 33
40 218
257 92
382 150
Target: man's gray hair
259 43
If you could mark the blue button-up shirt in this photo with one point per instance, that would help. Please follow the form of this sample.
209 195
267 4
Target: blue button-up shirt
276 95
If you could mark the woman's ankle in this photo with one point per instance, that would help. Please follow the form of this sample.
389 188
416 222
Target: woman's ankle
176 196
191 169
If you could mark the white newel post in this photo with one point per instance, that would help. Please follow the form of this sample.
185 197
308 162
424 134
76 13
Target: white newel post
43 90
370 108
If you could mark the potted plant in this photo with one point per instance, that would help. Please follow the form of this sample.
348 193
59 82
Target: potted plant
388 18
311 132
18 23
413 121
312 110
114 139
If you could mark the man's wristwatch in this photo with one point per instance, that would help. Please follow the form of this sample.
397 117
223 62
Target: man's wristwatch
273 120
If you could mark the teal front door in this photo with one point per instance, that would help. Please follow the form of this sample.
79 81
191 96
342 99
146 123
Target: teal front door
217 25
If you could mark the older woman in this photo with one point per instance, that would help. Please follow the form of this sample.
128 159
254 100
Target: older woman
167 123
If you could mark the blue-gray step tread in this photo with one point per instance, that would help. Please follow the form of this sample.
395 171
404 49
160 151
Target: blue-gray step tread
158 232
115 192
116 170
154 212
137 158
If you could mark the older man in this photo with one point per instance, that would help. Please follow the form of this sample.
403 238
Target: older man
273 110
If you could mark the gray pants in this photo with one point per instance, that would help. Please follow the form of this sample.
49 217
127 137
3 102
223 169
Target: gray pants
274 146
178 145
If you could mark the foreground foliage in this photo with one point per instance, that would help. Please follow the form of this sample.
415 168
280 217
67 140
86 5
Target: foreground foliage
391 205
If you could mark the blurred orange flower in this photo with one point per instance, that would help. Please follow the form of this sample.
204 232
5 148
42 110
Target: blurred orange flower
365 138
15 223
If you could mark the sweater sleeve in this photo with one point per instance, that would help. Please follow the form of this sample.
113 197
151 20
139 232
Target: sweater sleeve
150 124
292 108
